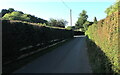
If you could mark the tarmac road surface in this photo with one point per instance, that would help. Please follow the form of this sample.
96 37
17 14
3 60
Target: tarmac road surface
71 57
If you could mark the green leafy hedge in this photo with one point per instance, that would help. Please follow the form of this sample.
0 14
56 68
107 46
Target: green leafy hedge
105 36
17 35
113 8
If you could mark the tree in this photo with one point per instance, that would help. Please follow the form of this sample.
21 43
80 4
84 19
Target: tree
95 20
24 17
52 22
4 11
16 16
11 10
86 25
20 12
12 14
81 20
70 27
34 19
57 23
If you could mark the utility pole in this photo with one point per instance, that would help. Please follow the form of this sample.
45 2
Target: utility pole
70 17
70 12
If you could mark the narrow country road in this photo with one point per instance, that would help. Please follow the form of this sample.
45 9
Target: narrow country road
69 58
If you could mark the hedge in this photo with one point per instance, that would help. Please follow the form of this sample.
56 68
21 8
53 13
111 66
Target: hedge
17 35
105 35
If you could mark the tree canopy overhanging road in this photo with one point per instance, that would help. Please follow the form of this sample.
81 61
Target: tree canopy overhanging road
71 57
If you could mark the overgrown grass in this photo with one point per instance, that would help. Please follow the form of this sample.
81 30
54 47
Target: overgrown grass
9 68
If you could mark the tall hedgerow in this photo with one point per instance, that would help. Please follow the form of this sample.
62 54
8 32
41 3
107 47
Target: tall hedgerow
105 35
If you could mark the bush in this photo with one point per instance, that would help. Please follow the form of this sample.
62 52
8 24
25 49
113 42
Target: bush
11 14
105 35
112 8
16 16
57 23
17 35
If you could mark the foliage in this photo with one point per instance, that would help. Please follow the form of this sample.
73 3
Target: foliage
11 10
105 36
4 11
112 8
57 23
95 20
81 20
86 25
70 27
17 35
34 19
16 16
98 60
12 14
